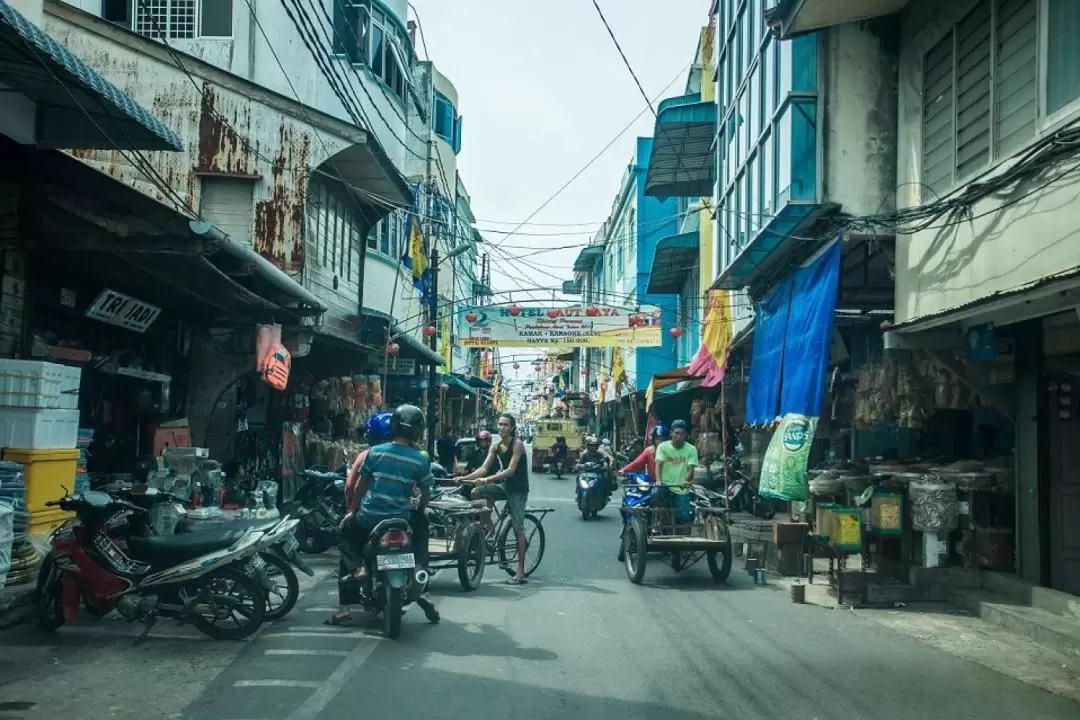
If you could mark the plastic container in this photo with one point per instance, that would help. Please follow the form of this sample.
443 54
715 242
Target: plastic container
38 429
46 474
38 384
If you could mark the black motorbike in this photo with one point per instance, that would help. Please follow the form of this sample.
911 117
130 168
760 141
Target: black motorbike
393 580
320 505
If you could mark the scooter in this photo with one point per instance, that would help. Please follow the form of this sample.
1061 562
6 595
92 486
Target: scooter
591 493
392 581
320 506
194 578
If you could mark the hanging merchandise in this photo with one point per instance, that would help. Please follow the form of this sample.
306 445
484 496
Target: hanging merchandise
933 506
275 369
292 459
783 470
266 337
375 392
361 393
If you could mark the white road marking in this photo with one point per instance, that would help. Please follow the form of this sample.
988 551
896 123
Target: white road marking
321 698
344 635
320 609
310 684
295 651
106 632
540 500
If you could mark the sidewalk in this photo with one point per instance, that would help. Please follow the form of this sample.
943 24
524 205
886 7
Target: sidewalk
952 630
16 604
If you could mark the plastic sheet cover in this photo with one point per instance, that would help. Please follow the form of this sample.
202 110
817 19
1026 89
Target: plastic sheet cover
770 327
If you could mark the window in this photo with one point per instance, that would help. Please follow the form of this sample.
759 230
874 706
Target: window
1062 69
446 122
979 92
367 35
631 229
229 203
334 229
117 11
215 19
173 19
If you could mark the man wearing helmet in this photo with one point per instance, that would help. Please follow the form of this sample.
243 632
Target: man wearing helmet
387 474
646 461
478 454
592 452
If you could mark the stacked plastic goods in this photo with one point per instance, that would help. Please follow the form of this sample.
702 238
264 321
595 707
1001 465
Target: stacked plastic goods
23 555
82 477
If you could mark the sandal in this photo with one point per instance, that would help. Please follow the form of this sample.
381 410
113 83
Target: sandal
336 620
517 581
430 612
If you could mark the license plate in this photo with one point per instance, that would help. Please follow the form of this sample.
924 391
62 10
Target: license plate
291 544
403 561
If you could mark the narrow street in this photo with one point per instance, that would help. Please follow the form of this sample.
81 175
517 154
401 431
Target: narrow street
578 641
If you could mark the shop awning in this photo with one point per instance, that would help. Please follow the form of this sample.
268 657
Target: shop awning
663 380
675 257
789 18
479 383
415 347
793 329
587 258
76 107
683 161
456 383
771 244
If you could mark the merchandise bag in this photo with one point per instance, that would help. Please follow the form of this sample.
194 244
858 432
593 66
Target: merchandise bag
7 537
783 470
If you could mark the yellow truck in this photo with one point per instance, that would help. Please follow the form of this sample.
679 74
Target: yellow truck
547 429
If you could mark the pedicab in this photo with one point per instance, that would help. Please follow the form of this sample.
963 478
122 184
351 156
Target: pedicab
679 534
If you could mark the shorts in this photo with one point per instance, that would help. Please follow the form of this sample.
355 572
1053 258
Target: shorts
515 502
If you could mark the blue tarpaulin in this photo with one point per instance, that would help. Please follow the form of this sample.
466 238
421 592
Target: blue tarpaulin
792 338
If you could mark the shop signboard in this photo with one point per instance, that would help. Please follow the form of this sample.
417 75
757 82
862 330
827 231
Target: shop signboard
560 326
116 308
395 366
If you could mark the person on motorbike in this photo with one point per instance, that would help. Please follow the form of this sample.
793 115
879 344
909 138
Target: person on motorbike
387 476
592 454
560 451
511 483
478 454
646 460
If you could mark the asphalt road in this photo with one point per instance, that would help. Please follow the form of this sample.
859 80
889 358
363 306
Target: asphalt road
579 641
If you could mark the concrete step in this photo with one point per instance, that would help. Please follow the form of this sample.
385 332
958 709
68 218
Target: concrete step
1021 592
1052 630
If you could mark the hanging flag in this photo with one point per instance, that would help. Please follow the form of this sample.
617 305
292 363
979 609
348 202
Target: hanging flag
417 252
603 386
710 363
483 364
495 393
618 370
447 352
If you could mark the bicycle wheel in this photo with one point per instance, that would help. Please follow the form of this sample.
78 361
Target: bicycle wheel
535 542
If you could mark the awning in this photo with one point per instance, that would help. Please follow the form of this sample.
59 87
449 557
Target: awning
676 256
415 346
76 107
587 258
790 18
663 380
771 244
456 383
683 162
478 382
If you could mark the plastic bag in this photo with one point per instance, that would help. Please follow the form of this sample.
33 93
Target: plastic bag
783 469
7 537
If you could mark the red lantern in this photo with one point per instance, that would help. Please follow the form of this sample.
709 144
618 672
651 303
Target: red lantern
592 311
392 349
514 310
430 331
675 332
584 371
634 320
538 368
471 317
516 366
553 314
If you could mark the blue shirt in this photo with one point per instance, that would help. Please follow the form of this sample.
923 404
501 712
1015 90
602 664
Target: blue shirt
392 471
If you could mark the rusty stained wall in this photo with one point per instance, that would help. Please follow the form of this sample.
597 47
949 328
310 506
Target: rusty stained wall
225 132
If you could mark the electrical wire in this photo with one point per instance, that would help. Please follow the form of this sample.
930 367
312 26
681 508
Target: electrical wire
622 54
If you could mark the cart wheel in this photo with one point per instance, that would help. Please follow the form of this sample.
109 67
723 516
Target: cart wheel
635 547
721 570
471 557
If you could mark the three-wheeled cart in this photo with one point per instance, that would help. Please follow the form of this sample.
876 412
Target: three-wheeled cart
680 538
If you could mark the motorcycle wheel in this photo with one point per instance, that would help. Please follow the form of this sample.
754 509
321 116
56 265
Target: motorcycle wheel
636 545
586 511
50 606
281 599
392 613
310 544
240 587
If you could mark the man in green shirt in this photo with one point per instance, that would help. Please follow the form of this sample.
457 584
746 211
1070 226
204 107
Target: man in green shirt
676 460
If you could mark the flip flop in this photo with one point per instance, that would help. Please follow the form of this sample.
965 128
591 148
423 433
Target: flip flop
338 620
517 581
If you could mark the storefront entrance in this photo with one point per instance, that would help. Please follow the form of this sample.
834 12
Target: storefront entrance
1063 471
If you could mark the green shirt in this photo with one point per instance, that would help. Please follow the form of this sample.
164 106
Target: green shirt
674 463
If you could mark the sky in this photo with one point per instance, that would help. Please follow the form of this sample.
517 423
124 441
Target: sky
542 89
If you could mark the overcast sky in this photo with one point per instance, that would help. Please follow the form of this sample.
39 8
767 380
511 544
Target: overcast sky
542 89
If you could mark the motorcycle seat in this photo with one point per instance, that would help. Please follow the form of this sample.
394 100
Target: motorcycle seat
167 550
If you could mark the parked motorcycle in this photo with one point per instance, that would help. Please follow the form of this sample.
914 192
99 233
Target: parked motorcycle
202 578
392 581
277 578
591 493
320 506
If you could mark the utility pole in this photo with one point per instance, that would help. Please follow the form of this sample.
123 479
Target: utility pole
433 371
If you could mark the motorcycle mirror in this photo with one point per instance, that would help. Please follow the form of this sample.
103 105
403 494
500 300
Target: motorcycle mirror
66 491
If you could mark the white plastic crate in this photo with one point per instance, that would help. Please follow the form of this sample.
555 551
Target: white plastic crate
39 384
38 429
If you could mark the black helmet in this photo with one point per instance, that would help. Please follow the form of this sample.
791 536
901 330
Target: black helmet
407 422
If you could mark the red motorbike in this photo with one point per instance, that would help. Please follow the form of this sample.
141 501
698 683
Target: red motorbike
202 578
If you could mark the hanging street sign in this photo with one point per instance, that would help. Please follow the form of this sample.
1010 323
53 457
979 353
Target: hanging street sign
116 308
559 326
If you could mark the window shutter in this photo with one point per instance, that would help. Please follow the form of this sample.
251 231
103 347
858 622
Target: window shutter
938 115
973 43
1015 80
229 204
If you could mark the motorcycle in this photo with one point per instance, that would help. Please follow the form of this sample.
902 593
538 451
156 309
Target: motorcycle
392 582
277 578
320 505
591 493
198 577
